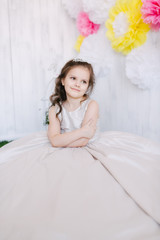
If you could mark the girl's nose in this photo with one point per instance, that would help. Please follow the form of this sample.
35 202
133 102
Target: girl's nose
77 84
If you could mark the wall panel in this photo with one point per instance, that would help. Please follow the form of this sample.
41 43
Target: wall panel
35 36
7 105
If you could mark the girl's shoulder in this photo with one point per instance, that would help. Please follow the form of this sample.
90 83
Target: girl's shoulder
91 105
89 100
92 102
54 109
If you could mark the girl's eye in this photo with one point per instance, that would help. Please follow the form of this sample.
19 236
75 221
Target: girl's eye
73 78
84 82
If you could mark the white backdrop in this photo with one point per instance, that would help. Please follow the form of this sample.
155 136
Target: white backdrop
35 36
32 34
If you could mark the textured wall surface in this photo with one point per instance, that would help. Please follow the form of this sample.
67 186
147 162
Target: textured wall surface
124 107
38 34
33 34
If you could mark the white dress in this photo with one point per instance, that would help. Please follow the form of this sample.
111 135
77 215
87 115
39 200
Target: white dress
107 190
73 120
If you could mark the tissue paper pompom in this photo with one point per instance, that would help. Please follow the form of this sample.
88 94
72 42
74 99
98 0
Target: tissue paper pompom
85 26
97 9
96 50
79 42
133 33
73 7
142 63
151 13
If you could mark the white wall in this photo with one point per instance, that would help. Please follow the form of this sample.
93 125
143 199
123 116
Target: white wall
33 34
125 107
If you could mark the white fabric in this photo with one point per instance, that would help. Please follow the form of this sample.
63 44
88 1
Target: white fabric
73 120
108 189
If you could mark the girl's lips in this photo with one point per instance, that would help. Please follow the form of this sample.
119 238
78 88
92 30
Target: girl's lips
75 89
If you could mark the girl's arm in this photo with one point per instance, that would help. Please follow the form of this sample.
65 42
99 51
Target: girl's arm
81 142
91 114
63 140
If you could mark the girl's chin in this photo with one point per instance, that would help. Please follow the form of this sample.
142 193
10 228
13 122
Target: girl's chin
75 96
76 93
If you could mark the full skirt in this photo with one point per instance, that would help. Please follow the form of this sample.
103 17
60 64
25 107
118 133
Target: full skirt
109 189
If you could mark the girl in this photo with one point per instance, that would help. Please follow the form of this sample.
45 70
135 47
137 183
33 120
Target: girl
74 183
73 86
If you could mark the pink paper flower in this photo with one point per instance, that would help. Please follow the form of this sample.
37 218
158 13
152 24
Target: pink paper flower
151 13
85 26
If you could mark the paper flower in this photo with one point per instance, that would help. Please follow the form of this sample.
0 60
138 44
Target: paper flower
142 64
98 9
79 43
96 50
73 7
126 29
85 26
151 13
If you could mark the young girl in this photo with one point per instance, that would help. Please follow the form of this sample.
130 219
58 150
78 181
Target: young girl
75 183
73 87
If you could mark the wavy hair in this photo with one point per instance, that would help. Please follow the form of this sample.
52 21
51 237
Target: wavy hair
59 95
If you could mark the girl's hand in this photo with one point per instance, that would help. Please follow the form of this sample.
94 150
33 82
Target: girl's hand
89 129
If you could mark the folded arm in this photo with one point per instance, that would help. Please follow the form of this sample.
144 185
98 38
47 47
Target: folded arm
81 142
78 137
92 115
56 138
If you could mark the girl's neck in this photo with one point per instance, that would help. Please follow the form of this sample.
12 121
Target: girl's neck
72 103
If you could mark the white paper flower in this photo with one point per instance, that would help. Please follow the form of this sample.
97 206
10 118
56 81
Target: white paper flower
96 50
98 9
143 63
73 7
120 24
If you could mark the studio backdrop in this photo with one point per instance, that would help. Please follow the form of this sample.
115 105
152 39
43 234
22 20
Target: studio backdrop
38 37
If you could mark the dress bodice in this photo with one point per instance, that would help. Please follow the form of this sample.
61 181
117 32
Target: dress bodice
73 120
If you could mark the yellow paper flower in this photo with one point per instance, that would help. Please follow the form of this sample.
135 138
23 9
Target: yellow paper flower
79 43
126 29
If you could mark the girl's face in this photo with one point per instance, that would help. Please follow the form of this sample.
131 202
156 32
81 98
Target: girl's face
76 82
